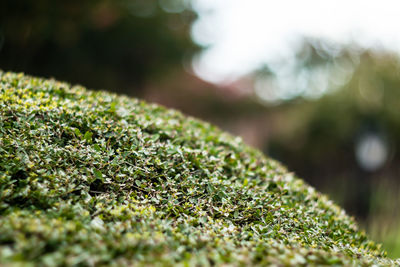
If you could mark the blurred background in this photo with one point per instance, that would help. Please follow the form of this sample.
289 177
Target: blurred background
314 84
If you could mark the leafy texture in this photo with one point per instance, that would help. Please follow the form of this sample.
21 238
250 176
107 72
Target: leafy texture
91 178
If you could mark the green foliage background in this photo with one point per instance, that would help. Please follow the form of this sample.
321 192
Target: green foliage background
119 44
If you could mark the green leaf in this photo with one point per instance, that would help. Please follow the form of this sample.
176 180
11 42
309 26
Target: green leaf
97 147
98 174
77 132
88 136
155 137
236 214
113 107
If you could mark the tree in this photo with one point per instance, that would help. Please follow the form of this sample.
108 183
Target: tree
118 44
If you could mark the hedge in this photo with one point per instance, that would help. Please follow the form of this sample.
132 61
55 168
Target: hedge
91 179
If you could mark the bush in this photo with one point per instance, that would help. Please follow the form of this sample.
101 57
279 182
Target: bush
91 178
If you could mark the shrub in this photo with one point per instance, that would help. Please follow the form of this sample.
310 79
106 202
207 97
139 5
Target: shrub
91 178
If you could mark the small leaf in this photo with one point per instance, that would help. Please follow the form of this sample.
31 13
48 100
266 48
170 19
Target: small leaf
236 214
113 107
97 147
77 132
88 136
155 137
98 174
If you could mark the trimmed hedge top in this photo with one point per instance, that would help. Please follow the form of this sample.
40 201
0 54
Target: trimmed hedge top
91 178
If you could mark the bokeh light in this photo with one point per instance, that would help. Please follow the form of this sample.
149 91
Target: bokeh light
240 36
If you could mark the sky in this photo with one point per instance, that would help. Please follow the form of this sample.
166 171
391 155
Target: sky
243 35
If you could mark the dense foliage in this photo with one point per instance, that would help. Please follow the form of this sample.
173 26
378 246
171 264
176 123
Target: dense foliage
92 178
